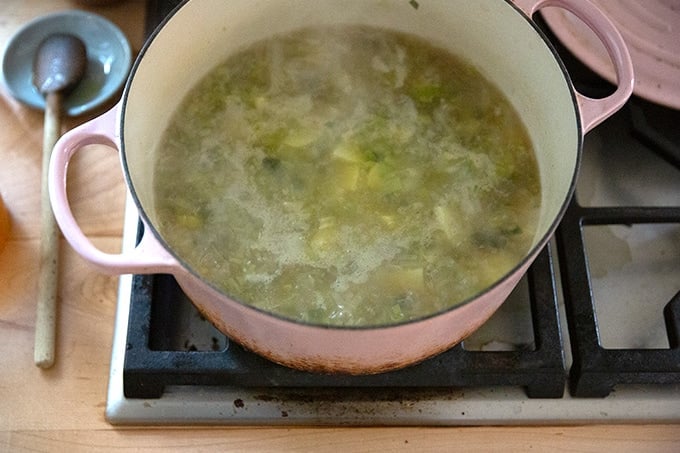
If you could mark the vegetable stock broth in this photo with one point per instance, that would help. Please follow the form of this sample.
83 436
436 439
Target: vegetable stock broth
347 176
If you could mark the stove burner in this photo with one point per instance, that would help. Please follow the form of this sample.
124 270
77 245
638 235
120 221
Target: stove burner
158 309
157 299
596 370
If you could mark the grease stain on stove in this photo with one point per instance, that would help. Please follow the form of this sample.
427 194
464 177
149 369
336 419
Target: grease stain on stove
190 346
353 404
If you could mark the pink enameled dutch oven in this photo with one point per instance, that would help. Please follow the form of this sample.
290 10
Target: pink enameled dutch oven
498 36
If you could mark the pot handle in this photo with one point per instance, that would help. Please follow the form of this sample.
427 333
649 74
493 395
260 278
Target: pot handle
148 256
594 111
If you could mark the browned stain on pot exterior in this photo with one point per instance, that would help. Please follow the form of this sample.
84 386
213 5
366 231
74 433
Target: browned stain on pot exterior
325 365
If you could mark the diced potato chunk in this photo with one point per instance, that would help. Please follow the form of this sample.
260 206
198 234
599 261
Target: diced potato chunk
411 279
453 225
297 138
445 220
346 176
389 220
494 266
189 221
347 152
402 279
325 236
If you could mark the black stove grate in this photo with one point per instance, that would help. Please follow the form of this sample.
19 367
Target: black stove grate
596 370
153 362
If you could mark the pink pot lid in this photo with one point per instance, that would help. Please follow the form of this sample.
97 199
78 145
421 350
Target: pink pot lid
651 30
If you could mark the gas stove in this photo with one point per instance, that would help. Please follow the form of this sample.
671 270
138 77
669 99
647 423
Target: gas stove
591 334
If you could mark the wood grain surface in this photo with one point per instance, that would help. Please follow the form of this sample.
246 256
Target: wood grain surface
62 408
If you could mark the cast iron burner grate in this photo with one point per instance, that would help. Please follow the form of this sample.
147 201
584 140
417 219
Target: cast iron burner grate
596 370
157 299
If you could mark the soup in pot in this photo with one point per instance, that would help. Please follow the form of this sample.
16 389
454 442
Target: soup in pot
349 176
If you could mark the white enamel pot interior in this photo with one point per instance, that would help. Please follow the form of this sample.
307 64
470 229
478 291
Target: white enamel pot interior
497 36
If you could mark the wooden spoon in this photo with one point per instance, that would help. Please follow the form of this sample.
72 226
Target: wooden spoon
58 66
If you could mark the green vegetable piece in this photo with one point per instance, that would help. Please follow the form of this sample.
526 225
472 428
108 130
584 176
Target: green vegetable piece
271 141
489 238
271 163
426 93
511 230
383 177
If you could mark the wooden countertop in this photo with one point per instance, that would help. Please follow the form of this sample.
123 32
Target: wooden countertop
63 408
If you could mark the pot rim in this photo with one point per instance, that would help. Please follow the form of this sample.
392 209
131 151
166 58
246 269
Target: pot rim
524 262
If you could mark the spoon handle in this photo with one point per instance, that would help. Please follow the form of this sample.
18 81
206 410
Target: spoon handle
46 312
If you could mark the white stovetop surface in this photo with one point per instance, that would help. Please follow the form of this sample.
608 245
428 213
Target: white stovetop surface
618 255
